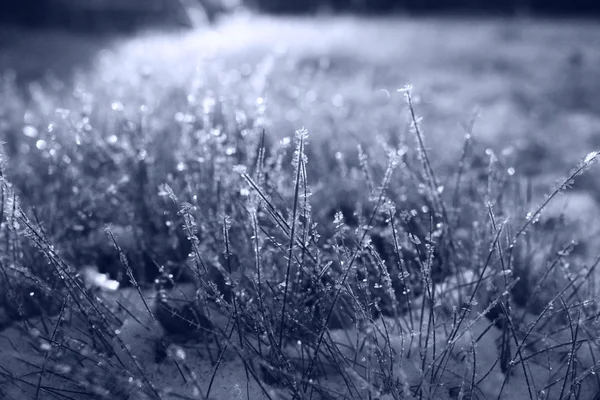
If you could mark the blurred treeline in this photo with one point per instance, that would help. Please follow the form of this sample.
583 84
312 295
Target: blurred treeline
95 15
560 7
90 15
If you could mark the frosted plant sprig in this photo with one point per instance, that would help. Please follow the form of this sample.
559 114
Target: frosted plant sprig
277 217
299 162
435 188
532 217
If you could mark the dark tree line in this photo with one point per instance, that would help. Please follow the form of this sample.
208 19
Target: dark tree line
85 15
572 7
35 13
103 14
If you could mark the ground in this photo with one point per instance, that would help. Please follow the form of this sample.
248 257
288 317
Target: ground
93 126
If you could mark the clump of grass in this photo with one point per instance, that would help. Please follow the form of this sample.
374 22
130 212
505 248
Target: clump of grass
399 280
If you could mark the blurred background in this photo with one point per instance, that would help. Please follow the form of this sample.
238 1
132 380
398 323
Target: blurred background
101 15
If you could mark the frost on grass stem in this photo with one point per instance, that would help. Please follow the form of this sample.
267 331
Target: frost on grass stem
299 162
165 190
407 89
186 211
300 158
561 186
591 157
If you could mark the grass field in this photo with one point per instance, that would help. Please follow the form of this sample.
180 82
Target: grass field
433 241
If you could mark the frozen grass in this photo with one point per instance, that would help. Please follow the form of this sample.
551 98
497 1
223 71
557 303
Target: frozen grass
373 255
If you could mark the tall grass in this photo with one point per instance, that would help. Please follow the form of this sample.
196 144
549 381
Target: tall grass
367 275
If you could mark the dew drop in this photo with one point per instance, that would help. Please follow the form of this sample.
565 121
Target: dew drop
30 131
338 100
45 346
63 368
41 144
